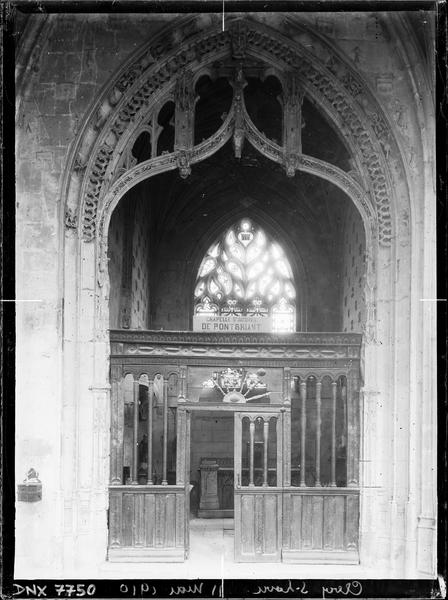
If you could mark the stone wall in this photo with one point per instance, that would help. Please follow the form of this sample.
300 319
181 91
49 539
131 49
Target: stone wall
116 254
140 267
353 273
129 273
64 62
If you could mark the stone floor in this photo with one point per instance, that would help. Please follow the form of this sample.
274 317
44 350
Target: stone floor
212 556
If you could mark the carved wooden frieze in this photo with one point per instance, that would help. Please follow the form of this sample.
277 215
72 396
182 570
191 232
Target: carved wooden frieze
191 337
139 364
204 346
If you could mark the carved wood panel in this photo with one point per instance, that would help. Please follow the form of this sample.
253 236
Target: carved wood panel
320 525
146 523
258 519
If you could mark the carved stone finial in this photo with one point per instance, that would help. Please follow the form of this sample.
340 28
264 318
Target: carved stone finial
183 163
71 218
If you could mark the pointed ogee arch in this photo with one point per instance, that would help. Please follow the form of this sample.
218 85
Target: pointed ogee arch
332 85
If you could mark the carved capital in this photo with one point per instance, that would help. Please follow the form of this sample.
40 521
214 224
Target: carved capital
71 218
79 165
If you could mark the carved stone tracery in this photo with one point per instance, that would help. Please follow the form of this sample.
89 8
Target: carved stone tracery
140 87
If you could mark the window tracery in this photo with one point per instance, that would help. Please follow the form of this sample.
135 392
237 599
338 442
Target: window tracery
247 274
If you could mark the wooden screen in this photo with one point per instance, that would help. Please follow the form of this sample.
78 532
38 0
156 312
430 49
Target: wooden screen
148 492
322 505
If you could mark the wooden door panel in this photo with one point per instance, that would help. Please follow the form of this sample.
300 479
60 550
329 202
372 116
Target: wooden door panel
258 507
258 526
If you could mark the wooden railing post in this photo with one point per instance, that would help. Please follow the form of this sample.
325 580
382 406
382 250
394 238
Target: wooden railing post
280 446
181 446
352 428
302 434
265 452
165 433
117 425
182 383
136 390
286 447
149 433
333 433
251 452
287 386
318 431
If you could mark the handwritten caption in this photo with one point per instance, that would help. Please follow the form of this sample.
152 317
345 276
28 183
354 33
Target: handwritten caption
127 590
295 589
351 588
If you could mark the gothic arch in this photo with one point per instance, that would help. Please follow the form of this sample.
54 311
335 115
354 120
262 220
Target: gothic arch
93 187
137 88
96 186
143 84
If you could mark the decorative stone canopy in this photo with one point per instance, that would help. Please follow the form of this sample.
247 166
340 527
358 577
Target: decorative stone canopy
159 72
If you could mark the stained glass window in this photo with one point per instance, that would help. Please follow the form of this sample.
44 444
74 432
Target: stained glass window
246 273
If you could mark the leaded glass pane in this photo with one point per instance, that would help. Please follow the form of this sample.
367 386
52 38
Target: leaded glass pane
247 274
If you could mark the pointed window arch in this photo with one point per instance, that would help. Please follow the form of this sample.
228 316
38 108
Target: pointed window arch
247 274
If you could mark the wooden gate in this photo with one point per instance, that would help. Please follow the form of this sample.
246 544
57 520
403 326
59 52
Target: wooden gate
258 481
